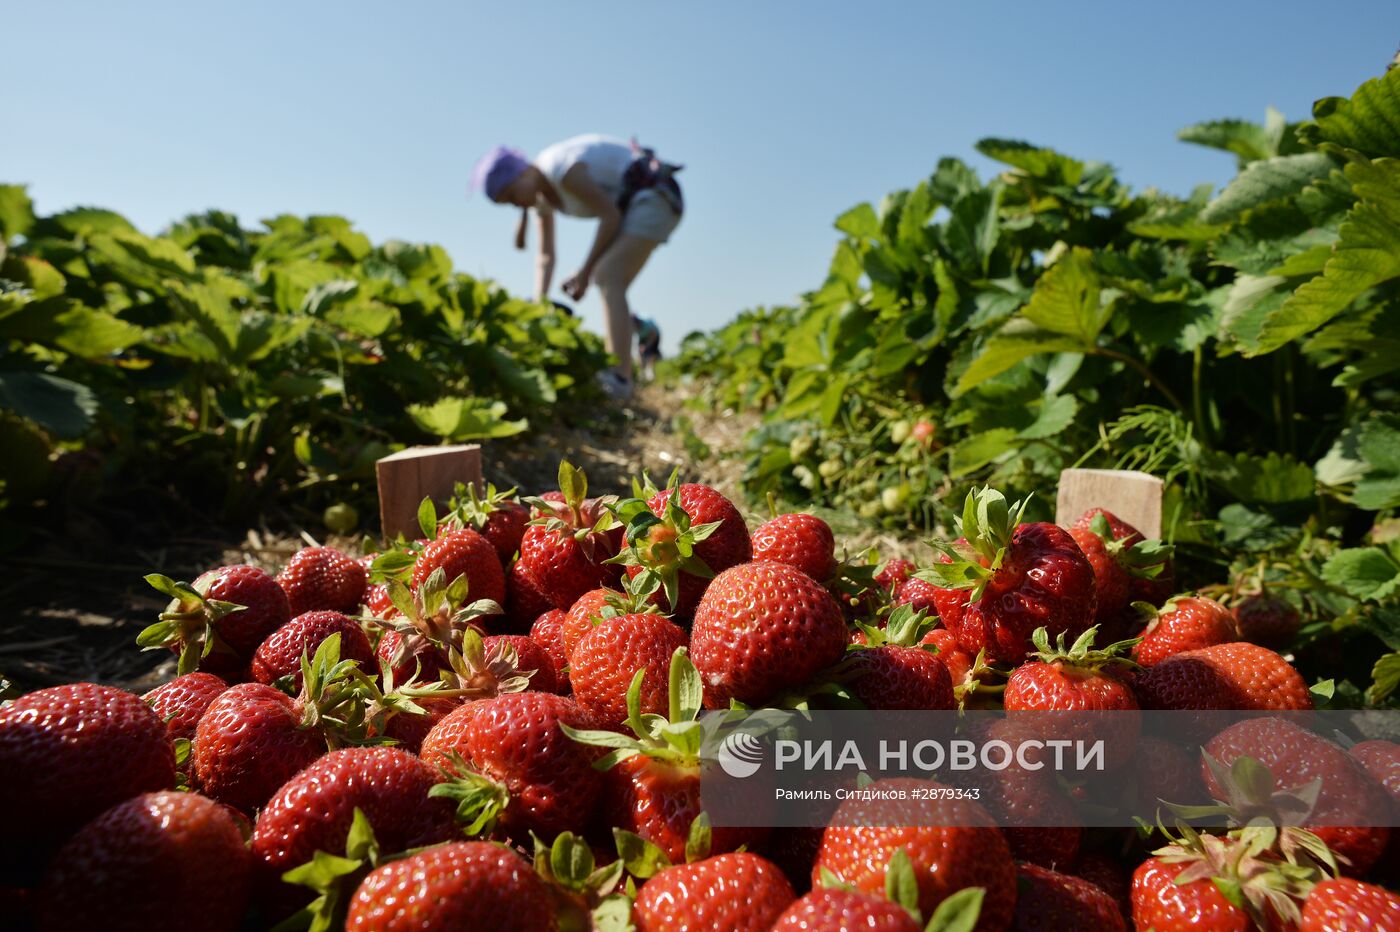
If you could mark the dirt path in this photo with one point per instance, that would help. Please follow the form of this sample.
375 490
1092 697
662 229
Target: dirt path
74 607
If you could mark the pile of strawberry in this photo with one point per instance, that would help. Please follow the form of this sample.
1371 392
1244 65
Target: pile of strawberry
495 727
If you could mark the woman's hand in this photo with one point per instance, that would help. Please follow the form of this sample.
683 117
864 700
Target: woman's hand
577 284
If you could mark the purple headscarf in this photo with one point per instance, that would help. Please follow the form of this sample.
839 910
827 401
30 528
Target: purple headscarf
498 168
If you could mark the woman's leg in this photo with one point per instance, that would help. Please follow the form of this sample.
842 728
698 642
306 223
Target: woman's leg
613 275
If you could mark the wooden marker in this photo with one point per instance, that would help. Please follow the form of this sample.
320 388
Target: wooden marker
1136 497
407 477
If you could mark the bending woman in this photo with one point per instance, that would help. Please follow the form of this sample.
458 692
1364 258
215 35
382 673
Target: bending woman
633 196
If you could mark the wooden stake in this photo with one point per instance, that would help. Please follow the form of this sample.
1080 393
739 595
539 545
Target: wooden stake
1136 497
407 477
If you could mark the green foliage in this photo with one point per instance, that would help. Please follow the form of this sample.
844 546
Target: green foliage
1242 344
237 365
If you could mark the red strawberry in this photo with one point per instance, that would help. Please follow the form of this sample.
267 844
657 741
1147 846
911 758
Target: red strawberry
410 730
463 553
1047 899
735 892
430 625
762 628
1295 757
464 885
652 788
1382 761
958 662
1187 623
314 810
1110 876
159 861
567 548
950 843
893 677
525 599
530 658
216 623
583 615
923 596
249 742
548 632
803 541
1110 577
835 910
1237 676
1268 620
1036 813
182 701
280 655
378 602
70 752
497 516
322 579
685 535
603 663
1162 904
515 740
1041 579
893 573
1143 587
1343 905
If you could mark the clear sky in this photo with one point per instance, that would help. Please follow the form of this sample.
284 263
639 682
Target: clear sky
784 112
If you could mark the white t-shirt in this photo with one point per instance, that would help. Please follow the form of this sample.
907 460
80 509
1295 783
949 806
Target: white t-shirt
606 159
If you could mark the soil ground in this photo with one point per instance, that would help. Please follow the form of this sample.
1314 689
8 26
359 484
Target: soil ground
74 604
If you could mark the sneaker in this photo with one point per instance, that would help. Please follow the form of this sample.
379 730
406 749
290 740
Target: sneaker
618 388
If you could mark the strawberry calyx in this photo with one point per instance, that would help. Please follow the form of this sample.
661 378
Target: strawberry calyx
1082 654
987 524
643 858
188 621
586 895
333 878
675 737
905 627
480 800
579 517
663 545
474 672
435 617
961 910
1246 869
470 507
1146 559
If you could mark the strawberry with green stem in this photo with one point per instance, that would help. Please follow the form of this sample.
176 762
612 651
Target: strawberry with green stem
1117 562
1035 576
429 624
802 540
495 515
1185 623
1345 905
586 895
652 785
277 661
568 548
740 892
961 911
890 671
322 579
680 536
217 622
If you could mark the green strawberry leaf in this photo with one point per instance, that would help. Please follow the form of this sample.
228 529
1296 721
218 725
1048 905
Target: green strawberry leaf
640 857
698 840
959 912
685 691
427 518
901 886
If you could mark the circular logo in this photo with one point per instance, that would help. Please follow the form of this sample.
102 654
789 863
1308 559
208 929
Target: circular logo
740 754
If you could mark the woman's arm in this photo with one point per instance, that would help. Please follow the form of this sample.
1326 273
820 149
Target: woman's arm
581 185
544 262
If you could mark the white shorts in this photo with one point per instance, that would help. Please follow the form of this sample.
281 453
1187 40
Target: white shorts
650 216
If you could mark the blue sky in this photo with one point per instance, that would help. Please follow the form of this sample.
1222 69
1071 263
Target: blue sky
784 112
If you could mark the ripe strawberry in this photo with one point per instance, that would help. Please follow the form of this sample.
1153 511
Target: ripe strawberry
890 677
762 628
1041 579
893 573
1296 757
515 740
315 809
1187 623
1344 905
567 548
803 541
1036 813
1047 899
922 596
652 787
1267 620
736 892
950 843
958 662
280 655
249 742
430 625
531 659
497 516
463 885
217 622
159 861
410 730
1237 676
1382 761
70 752
463 553
378 602
525 599
548 633
1110 577
1180 888
1148 587
581 618
603 663
322 579
1110 876
833 910
181 702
